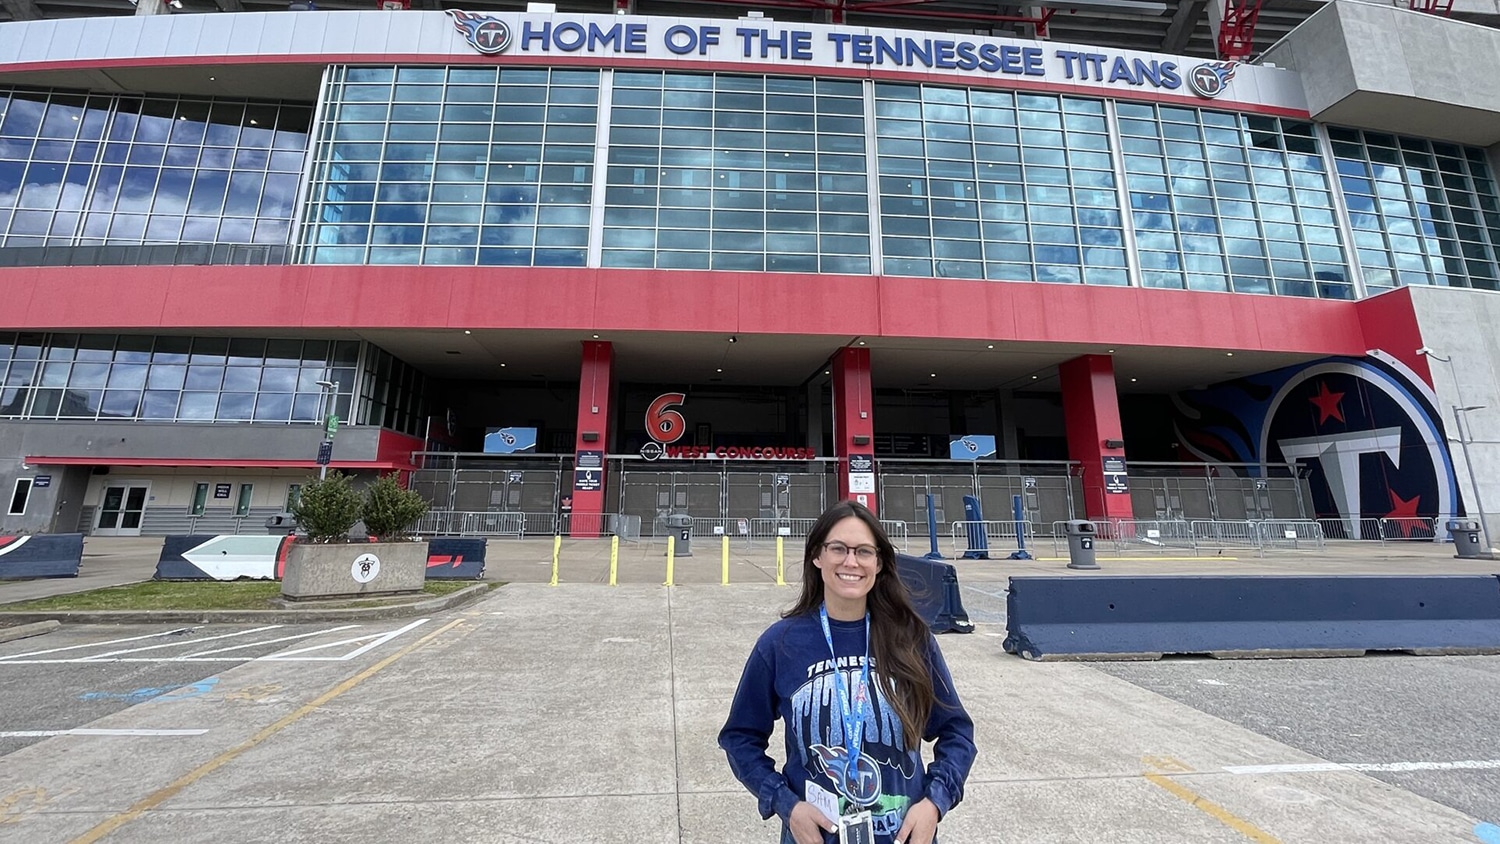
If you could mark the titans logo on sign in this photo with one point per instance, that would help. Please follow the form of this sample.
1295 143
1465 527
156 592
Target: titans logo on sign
1210 80
486 34
1365 429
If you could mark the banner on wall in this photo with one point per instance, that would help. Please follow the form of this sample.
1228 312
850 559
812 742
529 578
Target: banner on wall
971 447
1365 430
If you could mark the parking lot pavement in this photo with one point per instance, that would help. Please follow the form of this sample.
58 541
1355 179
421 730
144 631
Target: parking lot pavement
78 675
585 713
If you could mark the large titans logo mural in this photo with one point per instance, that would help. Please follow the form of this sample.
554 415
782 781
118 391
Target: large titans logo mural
1364 428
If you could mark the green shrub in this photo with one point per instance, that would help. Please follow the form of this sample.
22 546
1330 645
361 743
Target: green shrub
390 511
327 508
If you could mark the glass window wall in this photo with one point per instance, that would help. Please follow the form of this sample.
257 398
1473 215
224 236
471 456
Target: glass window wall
996 185
743 173
456 166
1423 212
1230 202
80 170
175 379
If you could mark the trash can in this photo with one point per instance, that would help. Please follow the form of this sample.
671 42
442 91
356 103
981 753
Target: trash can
1465 533
281 524
681 525
1081 534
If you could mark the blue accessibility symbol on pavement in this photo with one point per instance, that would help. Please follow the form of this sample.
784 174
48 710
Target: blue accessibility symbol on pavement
158 694
1487 833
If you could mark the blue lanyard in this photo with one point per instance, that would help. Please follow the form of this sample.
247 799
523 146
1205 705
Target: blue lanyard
851 710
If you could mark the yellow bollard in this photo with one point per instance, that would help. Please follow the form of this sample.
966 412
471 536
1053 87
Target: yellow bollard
556 554
614 559
780 561
671 558
726 560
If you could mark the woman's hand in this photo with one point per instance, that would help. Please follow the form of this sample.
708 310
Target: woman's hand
920 825
807 822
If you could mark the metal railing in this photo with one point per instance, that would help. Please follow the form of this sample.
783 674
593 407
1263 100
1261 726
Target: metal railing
1290 533
1225 534
1351 529
469 523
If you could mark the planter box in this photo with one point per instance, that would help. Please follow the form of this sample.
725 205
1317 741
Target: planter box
353 570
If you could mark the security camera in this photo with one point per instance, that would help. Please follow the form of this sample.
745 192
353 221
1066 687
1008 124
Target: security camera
1424 351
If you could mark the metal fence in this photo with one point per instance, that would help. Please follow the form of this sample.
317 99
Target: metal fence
1125 536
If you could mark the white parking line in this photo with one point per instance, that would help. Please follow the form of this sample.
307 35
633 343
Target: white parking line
267 642
104 656
379 639
1375 767
83 731
365 644
98 644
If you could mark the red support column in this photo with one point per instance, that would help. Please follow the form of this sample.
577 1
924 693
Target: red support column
590 443
1091 411
854 426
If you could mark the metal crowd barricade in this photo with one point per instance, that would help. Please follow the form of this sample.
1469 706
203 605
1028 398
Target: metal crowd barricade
1408 529
772 528
468 523
1351 529
995 533
1225 534
1290 533
895 531
1150 534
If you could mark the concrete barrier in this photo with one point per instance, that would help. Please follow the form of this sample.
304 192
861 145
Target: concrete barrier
264 557
455 558
210 557
934 591
40 555
1056 618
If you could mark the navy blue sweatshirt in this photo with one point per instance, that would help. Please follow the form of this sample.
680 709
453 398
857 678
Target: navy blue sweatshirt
789 676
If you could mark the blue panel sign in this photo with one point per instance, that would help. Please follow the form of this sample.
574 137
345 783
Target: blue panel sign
41 482
590 460
971 447
861 463
510 441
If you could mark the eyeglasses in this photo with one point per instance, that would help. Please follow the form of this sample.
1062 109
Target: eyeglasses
840 551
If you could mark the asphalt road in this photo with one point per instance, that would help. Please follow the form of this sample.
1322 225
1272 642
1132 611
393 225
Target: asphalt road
1384 710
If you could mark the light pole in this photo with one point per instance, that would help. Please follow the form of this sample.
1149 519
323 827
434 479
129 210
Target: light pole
326 398
1463 438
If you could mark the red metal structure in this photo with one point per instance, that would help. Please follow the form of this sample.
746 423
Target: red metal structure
1432 7
1237 29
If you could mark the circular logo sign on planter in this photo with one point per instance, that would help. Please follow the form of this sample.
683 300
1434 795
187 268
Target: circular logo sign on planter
366 567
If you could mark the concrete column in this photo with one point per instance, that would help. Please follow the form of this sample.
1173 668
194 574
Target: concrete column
591 441
1005 411
1091 412
854 425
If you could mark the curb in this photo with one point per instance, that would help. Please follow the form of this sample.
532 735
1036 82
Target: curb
23 631
427 607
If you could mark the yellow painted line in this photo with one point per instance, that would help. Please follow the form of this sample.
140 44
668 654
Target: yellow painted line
157 798
1201 803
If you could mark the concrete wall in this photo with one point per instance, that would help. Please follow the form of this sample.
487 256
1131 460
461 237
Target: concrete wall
70 488
1392 69
1461 325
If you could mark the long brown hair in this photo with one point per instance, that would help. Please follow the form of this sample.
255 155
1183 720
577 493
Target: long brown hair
898 636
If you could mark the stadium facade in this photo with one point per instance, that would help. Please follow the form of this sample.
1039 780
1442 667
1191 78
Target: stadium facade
736 268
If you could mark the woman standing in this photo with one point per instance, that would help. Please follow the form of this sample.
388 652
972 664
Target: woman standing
858 679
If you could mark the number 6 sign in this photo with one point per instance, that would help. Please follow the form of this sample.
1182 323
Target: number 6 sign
663 424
